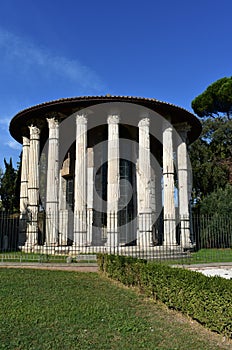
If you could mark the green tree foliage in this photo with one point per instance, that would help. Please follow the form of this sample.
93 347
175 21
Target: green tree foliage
211 154
216 219
8 187
211 157
215 101
219 201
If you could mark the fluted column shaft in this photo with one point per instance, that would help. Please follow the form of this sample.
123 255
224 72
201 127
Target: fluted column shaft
24 175
144 188
63 212
52 183
113 183
168 186
183 187
24 189
90 194
33 187
80 199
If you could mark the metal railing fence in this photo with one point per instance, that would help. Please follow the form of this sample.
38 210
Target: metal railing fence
210 238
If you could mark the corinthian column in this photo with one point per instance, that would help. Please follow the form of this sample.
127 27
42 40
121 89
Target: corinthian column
33 187
90 194
144 188
113 181
52 183
168 186
80 199
183 186
24 190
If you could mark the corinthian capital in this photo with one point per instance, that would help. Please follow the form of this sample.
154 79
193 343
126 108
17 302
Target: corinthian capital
144 122
81 119
52 123
34 131
113 119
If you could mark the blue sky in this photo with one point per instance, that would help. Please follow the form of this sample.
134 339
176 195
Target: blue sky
170 50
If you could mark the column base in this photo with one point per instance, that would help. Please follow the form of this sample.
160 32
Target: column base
89 226
144 239
171 246
51 244
187 246
185 241
29 247
169 232
112 240
144 232
80 239
48 248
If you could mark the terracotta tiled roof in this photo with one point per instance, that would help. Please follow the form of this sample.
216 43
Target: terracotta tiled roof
98 97
64 105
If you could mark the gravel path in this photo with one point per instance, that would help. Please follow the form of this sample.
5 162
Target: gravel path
221 270
62 267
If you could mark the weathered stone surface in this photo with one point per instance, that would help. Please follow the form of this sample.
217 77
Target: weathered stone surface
52 183
80 198
33 187
90 194
144 186
24 190
183 186
113 181
168 186
146 180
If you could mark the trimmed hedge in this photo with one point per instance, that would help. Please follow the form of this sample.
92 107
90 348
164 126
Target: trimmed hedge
206 299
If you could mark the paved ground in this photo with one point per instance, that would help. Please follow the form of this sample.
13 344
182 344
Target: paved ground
216 269
222 272
88 267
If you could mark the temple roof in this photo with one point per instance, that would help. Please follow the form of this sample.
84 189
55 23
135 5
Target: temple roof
67 106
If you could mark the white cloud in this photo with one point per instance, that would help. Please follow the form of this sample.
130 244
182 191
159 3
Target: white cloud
28 72
6 139
14 145
25 53
4 122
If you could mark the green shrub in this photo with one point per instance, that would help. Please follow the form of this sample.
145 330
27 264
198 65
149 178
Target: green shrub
205 299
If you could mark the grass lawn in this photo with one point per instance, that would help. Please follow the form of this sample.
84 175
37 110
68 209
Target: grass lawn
212 255
199 257
17 256
69 310
204 256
